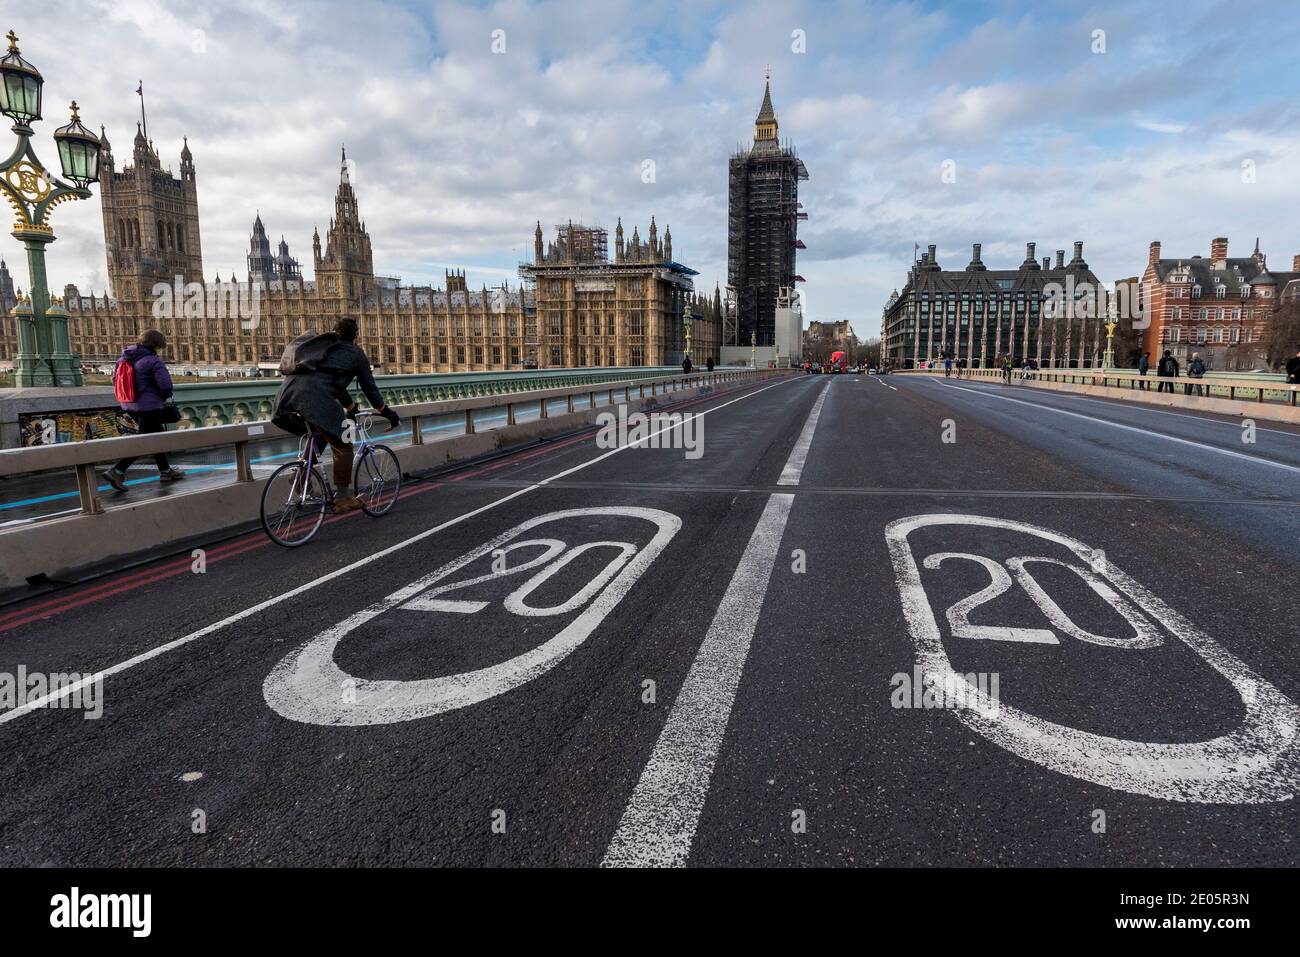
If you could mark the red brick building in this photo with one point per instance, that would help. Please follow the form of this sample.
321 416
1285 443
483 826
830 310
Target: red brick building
1218 306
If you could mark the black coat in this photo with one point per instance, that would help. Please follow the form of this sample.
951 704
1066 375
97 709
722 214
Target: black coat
322 397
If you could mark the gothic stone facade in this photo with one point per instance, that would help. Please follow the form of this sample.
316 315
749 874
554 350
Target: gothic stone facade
629 312
151 229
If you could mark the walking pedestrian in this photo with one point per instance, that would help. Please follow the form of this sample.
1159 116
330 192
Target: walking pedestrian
708 363
686 365
142 385
1006 368
1293 368
1165 370
1195 370
947 366
1144 366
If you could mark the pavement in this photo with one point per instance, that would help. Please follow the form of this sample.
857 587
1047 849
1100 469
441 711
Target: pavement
864 621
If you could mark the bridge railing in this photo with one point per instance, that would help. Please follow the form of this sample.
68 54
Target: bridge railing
1217 386
84 457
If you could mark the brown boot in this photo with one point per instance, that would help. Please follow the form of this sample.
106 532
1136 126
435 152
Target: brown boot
344 504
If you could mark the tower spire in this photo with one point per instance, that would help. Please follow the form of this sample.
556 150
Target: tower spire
765 126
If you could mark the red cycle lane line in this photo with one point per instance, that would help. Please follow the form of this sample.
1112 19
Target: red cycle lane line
241 545
257 539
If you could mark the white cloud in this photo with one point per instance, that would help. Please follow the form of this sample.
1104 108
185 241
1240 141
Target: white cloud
459 151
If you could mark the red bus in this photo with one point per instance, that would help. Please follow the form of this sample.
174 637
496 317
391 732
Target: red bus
839 362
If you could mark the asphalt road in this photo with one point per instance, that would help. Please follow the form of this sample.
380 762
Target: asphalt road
582 655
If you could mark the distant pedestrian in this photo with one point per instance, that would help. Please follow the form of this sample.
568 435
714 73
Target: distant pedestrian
708 363
947 366
1195 370
142 385
1006 368
1144 366
1293 368
1165 370
686 365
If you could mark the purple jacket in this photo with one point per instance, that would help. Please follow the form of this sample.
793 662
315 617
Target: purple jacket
153 383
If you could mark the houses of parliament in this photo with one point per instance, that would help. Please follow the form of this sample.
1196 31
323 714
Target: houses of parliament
595 312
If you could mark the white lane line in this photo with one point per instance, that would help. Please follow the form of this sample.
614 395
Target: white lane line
1254 459
658 826
121 666
893 388
1134 406
794 465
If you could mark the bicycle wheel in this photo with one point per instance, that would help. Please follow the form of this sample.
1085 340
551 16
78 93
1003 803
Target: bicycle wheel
378 479
294 500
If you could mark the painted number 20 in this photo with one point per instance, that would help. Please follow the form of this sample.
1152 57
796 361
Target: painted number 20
1145 633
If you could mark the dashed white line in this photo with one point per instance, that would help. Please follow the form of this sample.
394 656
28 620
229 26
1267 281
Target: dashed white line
658 826
794 465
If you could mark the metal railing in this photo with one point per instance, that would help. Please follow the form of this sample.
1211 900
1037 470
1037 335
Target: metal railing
83 457
1218 386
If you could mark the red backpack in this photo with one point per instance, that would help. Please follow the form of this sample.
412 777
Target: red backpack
124 381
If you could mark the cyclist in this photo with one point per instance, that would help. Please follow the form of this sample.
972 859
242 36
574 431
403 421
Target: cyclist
319 395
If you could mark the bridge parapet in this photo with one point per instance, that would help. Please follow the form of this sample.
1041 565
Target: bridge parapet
97 534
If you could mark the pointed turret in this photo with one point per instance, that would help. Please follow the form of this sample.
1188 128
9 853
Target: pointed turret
765 126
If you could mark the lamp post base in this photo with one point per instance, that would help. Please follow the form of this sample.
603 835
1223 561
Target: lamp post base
33 372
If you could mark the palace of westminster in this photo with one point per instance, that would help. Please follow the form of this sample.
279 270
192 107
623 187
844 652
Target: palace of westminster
575 307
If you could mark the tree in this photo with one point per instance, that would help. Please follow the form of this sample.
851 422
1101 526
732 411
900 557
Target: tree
1282 334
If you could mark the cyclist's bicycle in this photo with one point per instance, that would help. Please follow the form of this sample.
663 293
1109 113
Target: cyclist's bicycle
298 494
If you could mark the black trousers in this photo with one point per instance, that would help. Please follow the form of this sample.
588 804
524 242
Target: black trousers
150 421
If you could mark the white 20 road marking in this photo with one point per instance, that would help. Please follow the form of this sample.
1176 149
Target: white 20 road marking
1256 763
357 566
308 686
658 826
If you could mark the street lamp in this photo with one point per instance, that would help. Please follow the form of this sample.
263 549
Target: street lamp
687 321
44 357
1108 360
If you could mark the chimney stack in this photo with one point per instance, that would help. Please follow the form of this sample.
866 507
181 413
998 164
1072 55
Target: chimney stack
1219 249
975 253
1060 259
930 254
1153 255
1078 250
1295 263
1029 252
1047 262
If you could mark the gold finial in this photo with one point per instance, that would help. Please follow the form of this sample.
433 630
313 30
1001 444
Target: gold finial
13 41
75 117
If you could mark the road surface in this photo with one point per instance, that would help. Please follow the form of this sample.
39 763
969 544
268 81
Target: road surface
583 655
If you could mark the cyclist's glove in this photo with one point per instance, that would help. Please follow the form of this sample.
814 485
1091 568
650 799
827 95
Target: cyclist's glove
391 416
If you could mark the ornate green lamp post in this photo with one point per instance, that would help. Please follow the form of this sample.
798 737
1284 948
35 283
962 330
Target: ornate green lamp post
1108 360
687 321
44 357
